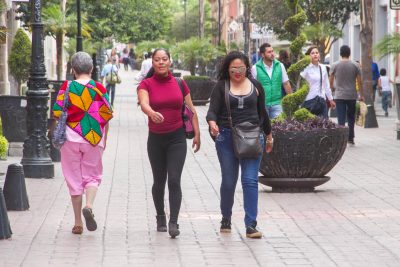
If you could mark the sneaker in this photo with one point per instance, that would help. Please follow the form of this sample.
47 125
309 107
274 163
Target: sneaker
252 231
351 142
225 225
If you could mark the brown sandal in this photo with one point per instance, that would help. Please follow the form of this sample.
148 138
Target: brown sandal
77 230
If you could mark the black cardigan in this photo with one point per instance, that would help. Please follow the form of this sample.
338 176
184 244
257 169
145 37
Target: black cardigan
218 112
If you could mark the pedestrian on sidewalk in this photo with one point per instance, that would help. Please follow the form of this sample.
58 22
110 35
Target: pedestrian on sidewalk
385 89
344 75
89 112
125 58
317 78
161 99
146 66
132 59
110 67
247 104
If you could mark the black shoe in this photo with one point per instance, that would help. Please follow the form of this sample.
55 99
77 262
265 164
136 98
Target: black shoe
173 229
225 225
252 231
91 224
161 223
386 114
351 142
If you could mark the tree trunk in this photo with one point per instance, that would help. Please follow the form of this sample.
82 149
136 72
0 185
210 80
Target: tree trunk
246 28
4 83
366 16
59 45
201 19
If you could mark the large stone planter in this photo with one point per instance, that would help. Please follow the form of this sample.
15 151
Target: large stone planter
300 160
13 116
200 89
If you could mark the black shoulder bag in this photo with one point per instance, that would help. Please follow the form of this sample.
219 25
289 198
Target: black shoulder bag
245 135
316 105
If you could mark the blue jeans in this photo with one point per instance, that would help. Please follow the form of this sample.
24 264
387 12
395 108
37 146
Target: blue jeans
230 172
386 100
346 108
273 111
111 92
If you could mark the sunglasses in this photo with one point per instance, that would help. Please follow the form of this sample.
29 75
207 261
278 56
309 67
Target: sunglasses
238 70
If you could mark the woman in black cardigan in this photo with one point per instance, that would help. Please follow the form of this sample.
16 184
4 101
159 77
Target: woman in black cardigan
247 104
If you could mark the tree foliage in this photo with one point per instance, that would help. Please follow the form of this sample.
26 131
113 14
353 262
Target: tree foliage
325 19
19 60
390 44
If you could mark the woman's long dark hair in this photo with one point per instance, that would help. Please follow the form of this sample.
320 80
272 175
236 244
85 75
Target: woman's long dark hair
151 71
231 56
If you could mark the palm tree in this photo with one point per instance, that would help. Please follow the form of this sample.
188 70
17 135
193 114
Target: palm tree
57 24
389 45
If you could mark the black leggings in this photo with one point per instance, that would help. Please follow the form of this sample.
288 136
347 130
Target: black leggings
167 154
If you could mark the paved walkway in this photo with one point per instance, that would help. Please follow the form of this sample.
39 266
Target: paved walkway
353 220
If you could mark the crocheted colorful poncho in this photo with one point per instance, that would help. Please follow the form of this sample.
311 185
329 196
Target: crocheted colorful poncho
89 109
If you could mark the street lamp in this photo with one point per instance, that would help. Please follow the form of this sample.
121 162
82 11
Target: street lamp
79 45
36 153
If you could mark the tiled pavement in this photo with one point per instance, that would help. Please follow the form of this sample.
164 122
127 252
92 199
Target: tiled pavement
353 220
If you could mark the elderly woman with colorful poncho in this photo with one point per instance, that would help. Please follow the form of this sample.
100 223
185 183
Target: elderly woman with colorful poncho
88 112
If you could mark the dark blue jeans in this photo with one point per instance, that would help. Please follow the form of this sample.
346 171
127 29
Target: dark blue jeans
111 92
230 172
386 100
346 108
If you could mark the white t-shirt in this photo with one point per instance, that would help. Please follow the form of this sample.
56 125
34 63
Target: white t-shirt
146 66
385 83
313 76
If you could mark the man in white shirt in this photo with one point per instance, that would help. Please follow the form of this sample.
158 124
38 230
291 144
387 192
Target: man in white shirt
272 75
146 66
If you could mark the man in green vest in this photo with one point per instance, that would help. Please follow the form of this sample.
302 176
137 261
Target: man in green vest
272 75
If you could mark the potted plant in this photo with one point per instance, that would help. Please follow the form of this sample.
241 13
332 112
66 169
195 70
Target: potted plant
200 88
306 147
3 144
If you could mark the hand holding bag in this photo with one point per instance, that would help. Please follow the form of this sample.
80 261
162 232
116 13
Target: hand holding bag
59 136
245 135
187 114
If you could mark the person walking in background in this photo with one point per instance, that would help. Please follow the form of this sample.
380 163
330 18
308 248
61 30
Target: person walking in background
272 75
161 99
385 89
125 58
317 78
146 66
247 104
375 78
110 67
285 60
114 57
344 75
81 154
132 59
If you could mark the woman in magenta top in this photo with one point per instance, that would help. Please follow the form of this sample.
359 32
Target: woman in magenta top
161 99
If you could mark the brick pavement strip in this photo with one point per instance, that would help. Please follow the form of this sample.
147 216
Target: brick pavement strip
353 220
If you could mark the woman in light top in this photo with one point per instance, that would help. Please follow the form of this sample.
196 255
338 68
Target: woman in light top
317 77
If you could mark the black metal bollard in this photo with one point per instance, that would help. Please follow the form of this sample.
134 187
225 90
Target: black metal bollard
5 228
14 188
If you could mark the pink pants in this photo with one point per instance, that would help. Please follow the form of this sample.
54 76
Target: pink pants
82 166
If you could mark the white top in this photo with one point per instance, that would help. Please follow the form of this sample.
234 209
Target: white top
312 75
269 69
146 66
385 83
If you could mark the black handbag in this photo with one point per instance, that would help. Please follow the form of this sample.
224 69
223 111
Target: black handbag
245 135
316 105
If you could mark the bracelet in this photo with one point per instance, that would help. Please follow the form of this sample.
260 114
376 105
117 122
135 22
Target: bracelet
270 141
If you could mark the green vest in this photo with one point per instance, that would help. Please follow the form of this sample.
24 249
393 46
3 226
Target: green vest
272 86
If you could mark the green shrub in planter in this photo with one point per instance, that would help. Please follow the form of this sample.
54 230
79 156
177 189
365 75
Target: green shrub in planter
3 147
1 127
200 88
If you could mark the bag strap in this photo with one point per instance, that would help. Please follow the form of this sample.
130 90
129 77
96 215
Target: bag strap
320 79
66 93
228 106
179 81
